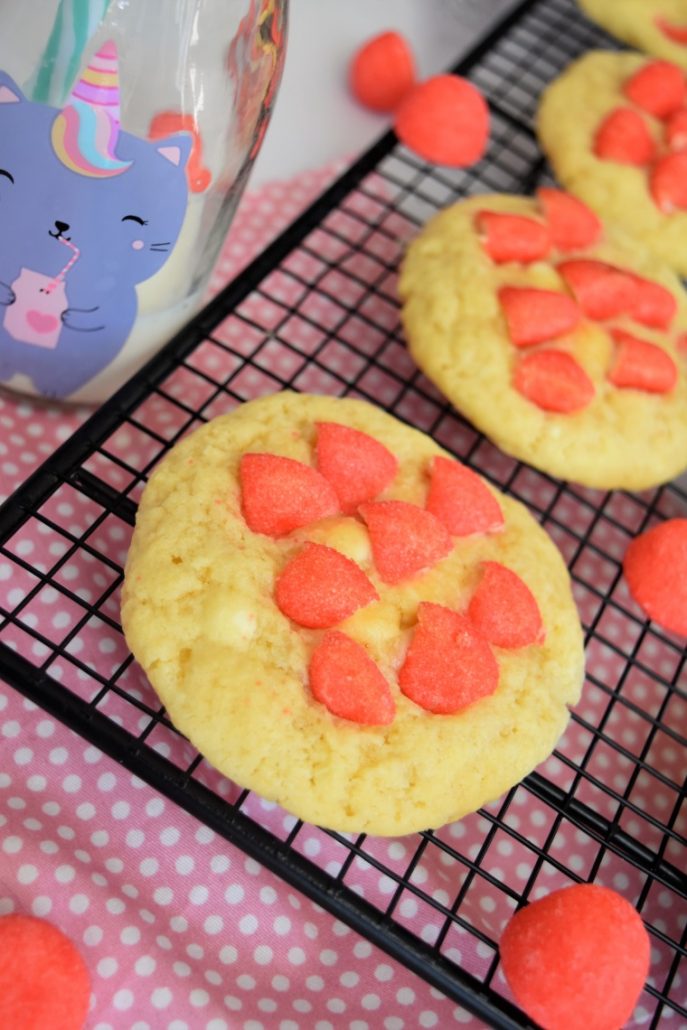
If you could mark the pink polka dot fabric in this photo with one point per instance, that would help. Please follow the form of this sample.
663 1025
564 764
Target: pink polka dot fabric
179 928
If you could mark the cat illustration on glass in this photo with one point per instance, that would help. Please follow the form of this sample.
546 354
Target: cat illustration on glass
86 212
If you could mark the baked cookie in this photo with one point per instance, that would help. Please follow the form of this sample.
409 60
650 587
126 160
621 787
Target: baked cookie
344 619
557 337
614 127
657 26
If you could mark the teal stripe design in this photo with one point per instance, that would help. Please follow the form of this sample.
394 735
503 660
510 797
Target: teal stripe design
75 23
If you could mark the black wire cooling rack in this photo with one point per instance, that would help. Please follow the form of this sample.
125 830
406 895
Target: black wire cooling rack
317 311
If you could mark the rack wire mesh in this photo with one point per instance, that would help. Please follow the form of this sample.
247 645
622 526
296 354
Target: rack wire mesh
317 311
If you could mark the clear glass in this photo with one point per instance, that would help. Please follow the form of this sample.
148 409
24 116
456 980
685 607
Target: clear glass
128 129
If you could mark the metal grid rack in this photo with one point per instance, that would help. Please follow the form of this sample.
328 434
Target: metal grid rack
318 312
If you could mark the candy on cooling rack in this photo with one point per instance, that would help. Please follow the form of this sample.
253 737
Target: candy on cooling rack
382 72
577 958
655 567
445 120
43 979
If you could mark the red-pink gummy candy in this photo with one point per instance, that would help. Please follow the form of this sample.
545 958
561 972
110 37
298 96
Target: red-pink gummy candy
504 610
44 982
405 539
577 958
344 678
358 466
321 586
461 500
448 665
280 494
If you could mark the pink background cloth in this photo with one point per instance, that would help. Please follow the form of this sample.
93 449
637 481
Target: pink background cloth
179 928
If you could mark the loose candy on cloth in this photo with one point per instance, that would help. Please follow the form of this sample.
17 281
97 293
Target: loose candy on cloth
44 981
577 957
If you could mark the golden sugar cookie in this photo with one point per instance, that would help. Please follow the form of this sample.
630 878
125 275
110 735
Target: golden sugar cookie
657 26
558 337
345 619
614 127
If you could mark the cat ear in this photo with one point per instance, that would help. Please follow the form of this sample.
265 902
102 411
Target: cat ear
9 91
176 149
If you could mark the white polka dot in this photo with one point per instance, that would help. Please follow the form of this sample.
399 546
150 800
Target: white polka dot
135 838
93 935
24 756
27 873
163 895
11 845
349 979
123 1000
169 836
71 784
121 810
371 1002
161 997
199 998
213 925
41 905
268 895
184 864
106 781
149 867
145 965
263 955
179 924
228 955
195 951
107 967
182 968
78 903
234 894
155 807
248 924
219 863
198 895
405 996
296 956
37 783
65 873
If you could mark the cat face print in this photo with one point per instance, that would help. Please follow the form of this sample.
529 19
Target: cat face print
123 224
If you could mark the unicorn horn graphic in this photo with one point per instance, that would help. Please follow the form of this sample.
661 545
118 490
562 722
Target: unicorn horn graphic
84 134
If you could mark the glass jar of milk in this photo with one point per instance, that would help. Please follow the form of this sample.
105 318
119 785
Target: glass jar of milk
128 129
